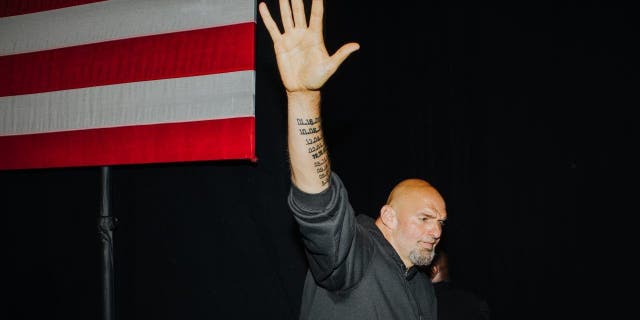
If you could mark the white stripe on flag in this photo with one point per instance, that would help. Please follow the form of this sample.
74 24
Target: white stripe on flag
127 82
116 19
136 103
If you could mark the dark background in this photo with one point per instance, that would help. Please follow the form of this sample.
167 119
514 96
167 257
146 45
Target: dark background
519 114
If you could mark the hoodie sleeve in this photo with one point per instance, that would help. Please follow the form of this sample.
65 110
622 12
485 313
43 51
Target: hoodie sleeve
337 248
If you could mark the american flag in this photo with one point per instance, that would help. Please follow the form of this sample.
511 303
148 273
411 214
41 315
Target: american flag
87 83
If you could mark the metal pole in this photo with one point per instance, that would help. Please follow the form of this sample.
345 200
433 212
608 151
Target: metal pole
106 225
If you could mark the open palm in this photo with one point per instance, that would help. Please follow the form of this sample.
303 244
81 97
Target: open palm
303 60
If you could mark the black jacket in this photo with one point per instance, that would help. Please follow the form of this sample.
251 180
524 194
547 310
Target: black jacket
354 273
455 303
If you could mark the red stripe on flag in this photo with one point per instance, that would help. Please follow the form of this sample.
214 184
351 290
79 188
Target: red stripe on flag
16 7
172 55
188 141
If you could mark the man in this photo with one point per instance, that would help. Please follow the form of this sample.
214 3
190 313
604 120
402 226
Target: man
454 303
358 268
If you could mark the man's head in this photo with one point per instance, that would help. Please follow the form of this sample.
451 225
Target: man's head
411 221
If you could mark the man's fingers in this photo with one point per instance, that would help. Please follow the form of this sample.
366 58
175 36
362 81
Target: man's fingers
299 16
285 14
271 25
317 10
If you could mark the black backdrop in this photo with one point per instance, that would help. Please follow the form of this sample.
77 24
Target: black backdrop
514 112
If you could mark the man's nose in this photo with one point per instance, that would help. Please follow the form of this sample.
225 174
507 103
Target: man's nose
435 229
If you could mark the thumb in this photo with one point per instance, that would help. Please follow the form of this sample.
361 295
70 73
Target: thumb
343 53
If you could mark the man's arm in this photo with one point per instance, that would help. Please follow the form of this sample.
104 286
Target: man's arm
320 211
304 66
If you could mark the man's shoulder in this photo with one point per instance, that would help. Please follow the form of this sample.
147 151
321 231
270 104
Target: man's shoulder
368 224
450 292
366 221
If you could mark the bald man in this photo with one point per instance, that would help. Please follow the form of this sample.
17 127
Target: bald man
412 221
358 268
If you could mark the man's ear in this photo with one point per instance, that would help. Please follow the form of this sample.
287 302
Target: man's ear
434 269
388 216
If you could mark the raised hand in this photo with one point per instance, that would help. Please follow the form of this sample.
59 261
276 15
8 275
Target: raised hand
303 60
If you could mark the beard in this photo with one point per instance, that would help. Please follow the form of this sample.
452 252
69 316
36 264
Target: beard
421 257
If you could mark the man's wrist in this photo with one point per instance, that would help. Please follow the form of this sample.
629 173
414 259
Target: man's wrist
304 95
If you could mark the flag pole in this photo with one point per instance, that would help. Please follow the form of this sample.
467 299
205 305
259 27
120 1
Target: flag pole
106 225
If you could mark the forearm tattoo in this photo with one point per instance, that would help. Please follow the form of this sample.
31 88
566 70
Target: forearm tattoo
316 148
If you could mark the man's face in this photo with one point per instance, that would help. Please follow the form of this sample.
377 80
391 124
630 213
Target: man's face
420 216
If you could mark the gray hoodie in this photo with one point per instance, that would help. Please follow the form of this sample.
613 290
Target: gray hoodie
354 272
